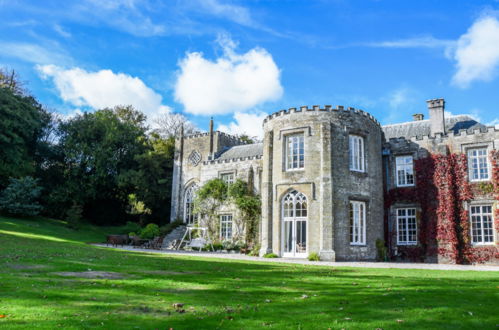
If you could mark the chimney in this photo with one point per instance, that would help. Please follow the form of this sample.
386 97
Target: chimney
437 121
211 138
418 116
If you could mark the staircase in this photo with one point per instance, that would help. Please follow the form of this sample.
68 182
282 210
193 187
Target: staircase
173 238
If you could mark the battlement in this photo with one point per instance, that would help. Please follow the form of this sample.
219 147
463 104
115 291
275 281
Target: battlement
231 160
222 134
462 133
326 108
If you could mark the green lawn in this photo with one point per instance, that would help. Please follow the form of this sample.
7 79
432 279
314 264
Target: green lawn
220 293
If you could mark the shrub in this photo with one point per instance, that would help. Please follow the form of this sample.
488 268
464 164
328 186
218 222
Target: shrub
131 227
20 197
270 255
150 231
169 227
132 234
255 251
217 246
382 250
73 216
314 256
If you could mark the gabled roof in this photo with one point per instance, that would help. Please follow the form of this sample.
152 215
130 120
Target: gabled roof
242 151
422 127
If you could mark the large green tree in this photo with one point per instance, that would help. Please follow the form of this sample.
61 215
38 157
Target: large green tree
22 124
96 150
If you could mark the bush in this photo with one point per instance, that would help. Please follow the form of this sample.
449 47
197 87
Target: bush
20 197
382 250
169 227
131 227
314 257
150 231
132 234
270 255
218 246
255 251
73 216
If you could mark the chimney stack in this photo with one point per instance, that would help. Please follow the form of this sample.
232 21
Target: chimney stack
418 116
436 109
211 138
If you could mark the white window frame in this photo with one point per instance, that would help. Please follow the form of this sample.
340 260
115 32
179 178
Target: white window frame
294 147
406 218
407 169
226 227
481 215
228 177
357 153
357 216
482 162
189 195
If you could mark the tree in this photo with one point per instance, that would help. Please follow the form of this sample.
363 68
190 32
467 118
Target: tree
152 178
209 198
22 124
97 149
170 124
10 80
242 195
20 198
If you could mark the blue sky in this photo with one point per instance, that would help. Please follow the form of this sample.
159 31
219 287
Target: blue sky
239 60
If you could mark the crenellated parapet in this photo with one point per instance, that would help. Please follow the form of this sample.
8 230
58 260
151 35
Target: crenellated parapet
227 136
462 133
326 108
231 160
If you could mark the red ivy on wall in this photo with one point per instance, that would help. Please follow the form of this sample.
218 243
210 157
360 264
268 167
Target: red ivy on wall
442 189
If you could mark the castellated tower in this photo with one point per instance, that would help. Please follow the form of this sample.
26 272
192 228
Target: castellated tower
322 183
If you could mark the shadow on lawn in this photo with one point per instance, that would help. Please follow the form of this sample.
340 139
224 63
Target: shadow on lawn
228 293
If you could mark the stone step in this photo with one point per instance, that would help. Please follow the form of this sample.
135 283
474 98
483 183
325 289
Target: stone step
173 237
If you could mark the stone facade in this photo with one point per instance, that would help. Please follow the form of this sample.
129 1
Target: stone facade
323 174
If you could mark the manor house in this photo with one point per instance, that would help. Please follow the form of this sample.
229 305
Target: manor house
336 182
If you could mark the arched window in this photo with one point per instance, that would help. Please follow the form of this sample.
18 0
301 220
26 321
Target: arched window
189 216
294 205
294 213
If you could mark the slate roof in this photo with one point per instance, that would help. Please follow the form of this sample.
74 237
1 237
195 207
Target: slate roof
242 151
422 127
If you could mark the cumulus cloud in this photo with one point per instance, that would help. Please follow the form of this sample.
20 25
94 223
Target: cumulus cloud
102 89
233 82
246 123
477 52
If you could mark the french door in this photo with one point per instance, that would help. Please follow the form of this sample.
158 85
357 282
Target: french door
294 212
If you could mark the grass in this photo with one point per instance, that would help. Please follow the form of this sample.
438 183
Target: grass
220 293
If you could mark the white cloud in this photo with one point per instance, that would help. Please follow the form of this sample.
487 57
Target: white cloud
102 89
246 123
233 82
477 52
399 98
61 31
32 53
419 42
235 13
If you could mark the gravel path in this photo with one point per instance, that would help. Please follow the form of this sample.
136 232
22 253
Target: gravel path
360 264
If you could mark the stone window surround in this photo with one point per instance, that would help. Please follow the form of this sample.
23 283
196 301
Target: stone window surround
362 154
489 145
394 162
363 234
407 242
222 173
222 221
480 202
283 134
363 134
